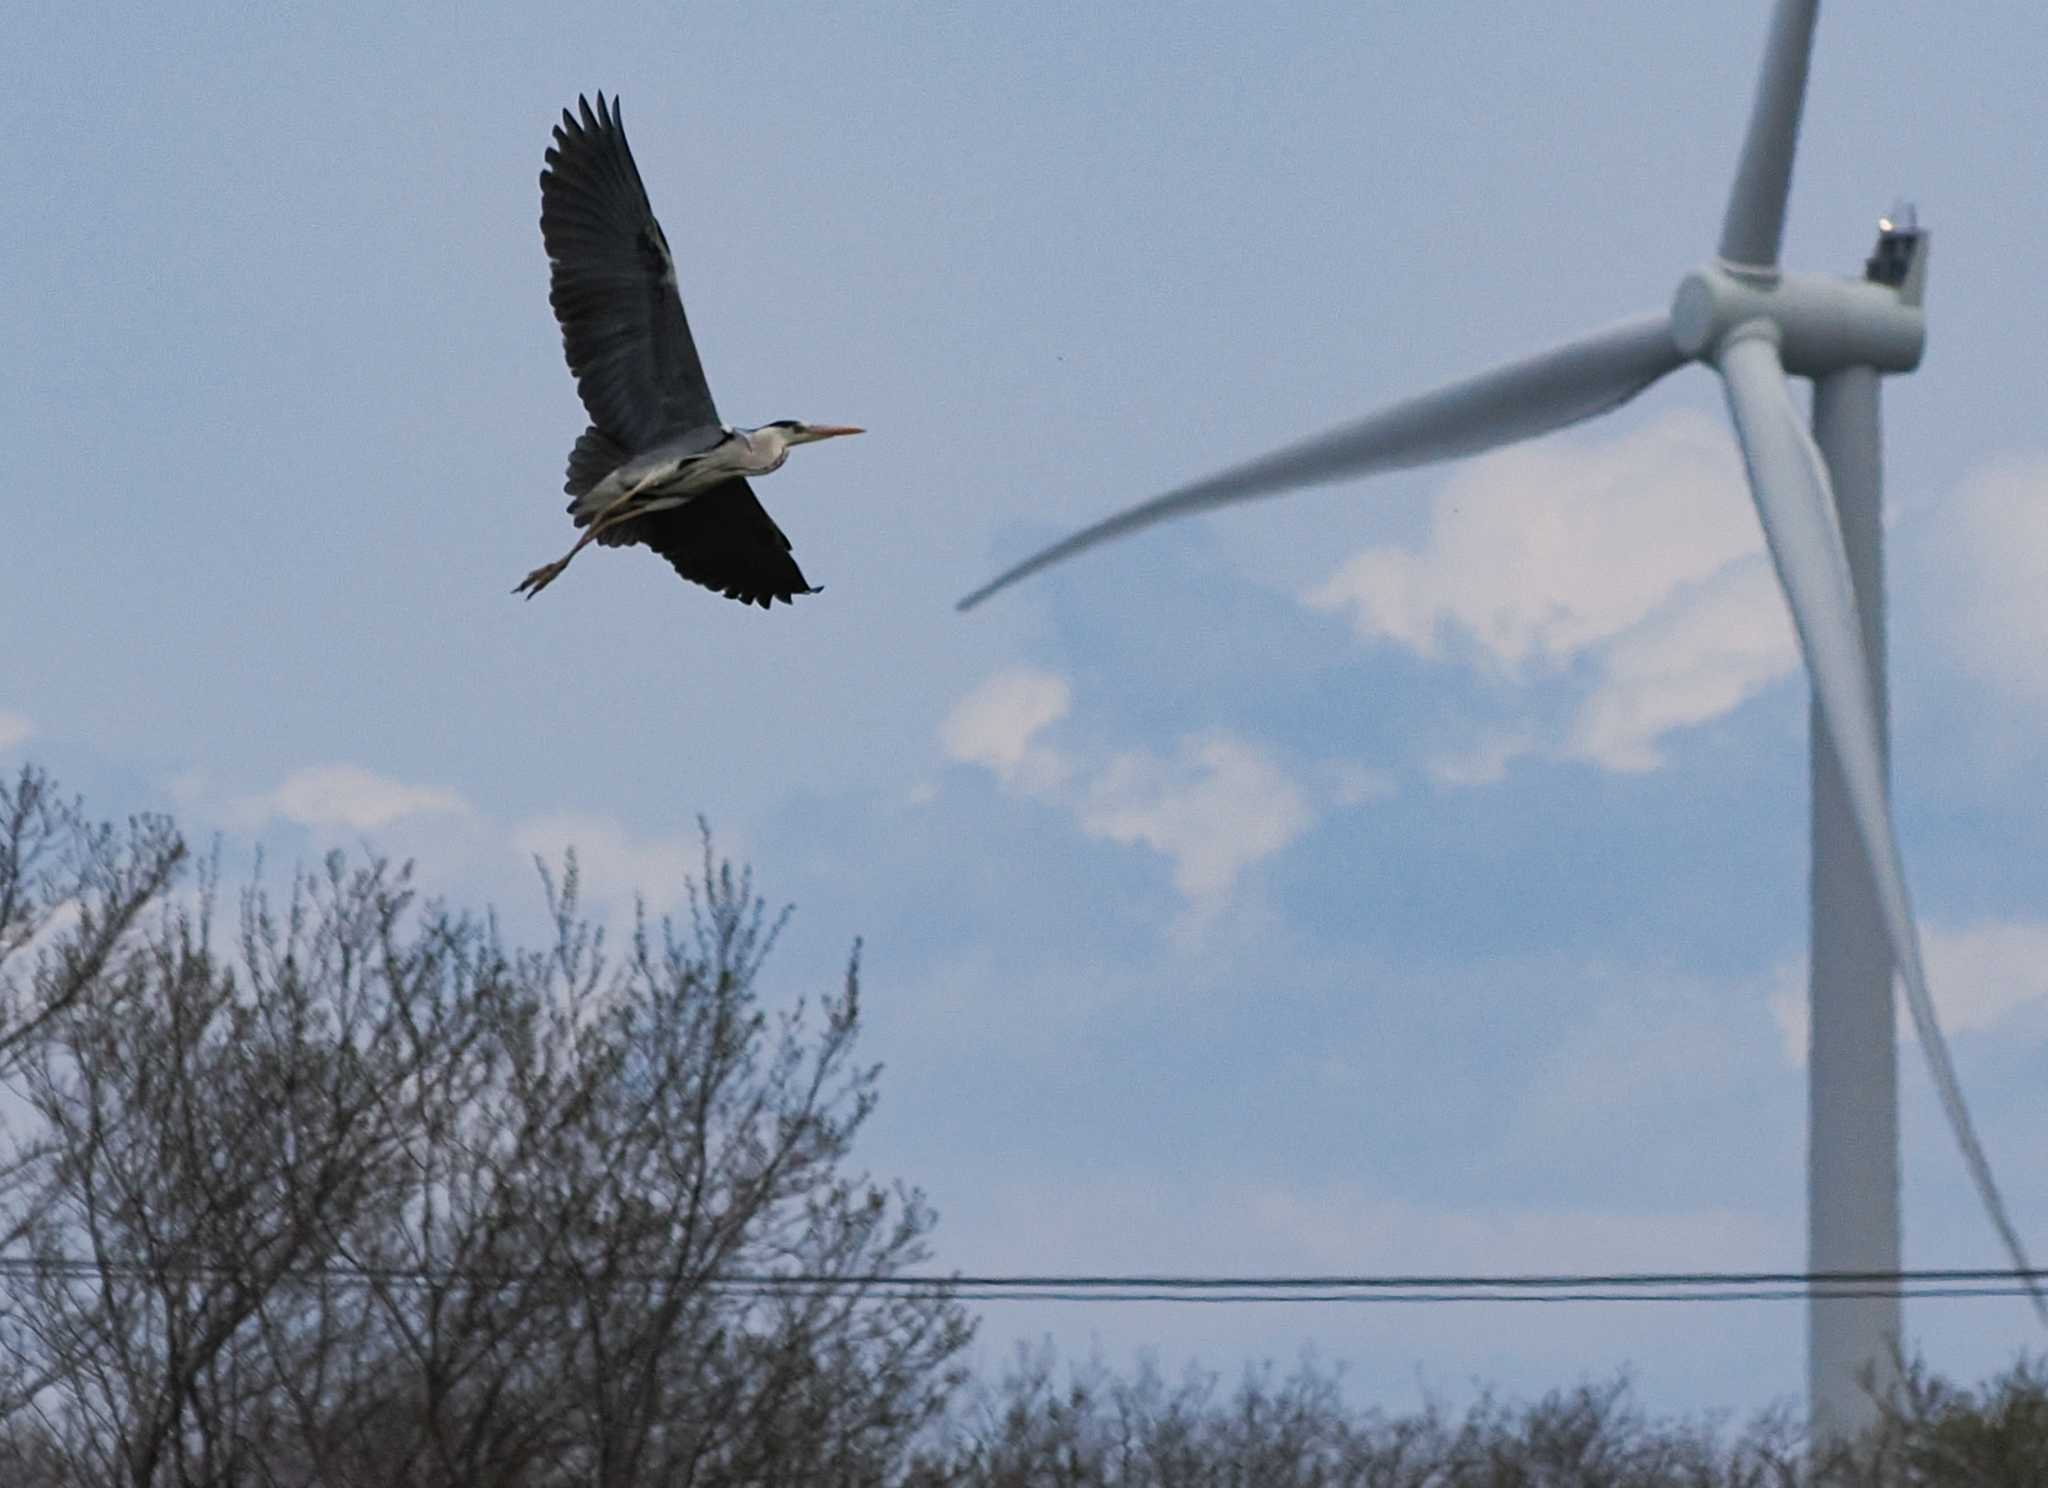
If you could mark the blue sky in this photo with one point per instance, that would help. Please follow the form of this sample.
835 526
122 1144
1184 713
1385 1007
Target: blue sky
1403 876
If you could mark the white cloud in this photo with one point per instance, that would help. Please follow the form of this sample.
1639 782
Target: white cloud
997 726
1219 806
14 729
1691 662
1640 555
1639 562
614 865
1544 550
1981 976
448 839
348 796
1990 545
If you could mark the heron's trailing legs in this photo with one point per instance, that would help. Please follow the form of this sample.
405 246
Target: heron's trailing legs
611 516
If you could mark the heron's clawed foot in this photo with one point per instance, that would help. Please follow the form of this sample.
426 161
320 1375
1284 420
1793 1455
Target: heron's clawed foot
540 578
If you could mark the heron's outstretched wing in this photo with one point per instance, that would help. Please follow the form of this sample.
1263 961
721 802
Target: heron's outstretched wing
613 286
723 540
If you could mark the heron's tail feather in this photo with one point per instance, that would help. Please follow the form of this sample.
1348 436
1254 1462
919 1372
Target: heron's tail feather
596 456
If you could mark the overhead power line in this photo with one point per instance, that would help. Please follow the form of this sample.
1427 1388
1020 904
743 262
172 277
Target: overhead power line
1483 1294
1669 1286
1575 1287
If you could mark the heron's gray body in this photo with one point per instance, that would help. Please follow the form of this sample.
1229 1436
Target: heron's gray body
677 469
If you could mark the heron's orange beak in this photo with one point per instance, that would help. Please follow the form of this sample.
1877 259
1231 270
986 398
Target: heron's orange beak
829 431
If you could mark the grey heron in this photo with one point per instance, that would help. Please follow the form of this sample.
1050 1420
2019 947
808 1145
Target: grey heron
656 465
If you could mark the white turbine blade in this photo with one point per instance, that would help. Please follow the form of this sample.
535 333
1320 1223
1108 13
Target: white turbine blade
1515 401
1798 510
1756 204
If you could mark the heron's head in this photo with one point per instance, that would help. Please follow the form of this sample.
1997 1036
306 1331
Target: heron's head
795 431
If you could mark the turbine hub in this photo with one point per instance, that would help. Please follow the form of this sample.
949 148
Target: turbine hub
1824 324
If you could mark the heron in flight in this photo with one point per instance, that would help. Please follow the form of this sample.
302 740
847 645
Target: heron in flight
656 465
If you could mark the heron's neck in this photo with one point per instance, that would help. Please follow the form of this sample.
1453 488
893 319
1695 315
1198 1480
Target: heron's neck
767 448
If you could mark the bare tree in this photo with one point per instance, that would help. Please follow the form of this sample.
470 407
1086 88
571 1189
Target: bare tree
638 1135
71 894
363 1197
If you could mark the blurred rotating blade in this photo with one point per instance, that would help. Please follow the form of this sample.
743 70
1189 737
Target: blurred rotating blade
1755 220
1797 507
1516 401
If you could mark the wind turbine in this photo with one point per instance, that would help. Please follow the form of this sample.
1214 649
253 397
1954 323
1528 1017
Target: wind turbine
1819 498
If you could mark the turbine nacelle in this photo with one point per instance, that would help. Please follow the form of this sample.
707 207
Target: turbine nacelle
1824 324
1900 258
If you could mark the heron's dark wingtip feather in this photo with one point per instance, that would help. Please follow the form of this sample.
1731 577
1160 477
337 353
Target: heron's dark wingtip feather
724 540
613 285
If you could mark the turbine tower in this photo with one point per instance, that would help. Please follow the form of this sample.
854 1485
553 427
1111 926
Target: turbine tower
1819 498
